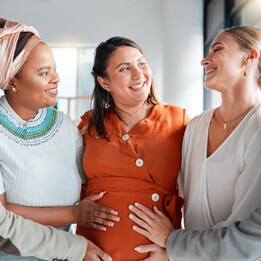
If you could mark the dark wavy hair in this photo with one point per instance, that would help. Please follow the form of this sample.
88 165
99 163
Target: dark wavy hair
101 99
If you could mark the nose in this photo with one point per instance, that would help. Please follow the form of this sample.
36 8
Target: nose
137 72
204 62
55 77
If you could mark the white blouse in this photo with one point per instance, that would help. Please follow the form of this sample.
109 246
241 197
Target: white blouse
226 186
40 159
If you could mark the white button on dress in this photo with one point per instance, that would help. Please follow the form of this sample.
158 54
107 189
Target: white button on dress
155 197
125 137
139 162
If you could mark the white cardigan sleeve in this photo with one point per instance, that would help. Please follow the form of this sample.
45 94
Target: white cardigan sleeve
239 241
23 237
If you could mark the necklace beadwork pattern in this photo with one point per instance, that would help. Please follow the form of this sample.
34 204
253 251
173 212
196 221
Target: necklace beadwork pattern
225 123
34 132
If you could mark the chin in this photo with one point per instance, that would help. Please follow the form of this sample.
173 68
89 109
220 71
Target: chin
53 102
208 85
50 104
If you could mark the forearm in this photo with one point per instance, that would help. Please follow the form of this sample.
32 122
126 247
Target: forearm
51 216
32 239
240 241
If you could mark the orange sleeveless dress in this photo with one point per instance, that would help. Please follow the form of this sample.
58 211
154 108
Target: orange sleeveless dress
139 166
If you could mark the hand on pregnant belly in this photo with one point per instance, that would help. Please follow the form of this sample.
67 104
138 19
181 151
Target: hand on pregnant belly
89 214
153 225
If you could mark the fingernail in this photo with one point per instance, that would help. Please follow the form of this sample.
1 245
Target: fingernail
136 204
130 207
130 216
134 228
138 249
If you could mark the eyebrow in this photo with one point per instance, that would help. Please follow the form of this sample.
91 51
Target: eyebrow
46 67
214 44
142 57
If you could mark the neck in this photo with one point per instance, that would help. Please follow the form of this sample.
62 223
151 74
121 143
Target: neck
127 112
133 115
231 108
236 114
23 112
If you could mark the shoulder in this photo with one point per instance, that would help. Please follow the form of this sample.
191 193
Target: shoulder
258 115
173 108
252 125
86 115
64 122
84 119
61 115
55 115
202 118
175 112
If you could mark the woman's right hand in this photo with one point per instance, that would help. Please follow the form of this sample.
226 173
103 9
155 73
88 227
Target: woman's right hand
94 253
89 214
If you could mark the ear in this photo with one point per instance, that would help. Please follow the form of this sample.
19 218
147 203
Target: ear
105 84
252 55
11 84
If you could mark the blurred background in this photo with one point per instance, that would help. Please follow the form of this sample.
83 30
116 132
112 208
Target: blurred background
174 35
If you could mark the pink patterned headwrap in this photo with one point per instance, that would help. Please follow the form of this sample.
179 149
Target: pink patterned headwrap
9 36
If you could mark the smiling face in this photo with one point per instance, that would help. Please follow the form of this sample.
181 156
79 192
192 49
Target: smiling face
128 77
225 63
37 81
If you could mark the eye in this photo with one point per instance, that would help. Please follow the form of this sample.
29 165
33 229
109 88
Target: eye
215 50
44 73
124 69
142 62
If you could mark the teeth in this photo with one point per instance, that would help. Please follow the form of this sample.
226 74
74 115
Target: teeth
209 71
52 90
137 86
134 87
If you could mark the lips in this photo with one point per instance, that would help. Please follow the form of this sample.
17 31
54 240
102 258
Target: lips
52 91
208 71
137 86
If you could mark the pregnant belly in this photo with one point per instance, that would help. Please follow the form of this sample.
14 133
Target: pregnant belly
119 241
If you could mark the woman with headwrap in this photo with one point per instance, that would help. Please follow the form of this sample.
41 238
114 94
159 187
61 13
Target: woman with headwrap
41 148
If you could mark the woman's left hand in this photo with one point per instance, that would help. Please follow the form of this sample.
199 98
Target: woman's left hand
153 225
156 252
